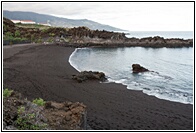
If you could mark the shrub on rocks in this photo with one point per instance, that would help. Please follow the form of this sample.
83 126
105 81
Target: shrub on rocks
21 114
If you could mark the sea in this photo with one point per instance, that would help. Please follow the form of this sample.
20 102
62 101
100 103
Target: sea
165 34
171 69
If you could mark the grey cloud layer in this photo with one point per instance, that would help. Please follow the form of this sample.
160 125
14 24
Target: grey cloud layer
125 15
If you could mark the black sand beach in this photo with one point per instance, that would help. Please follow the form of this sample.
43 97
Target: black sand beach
44 71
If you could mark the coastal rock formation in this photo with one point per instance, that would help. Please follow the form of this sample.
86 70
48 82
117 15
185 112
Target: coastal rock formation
10 107
136 68
85 32
83 37
89 75
21 114
118 41
158 42
66 115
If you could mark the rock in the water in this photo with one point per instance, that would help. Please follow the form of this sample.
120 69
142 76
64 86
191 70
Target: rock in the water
136 68
89 75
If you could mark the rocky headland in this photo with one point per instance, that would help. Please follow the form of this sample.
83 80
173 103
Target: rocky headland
83 37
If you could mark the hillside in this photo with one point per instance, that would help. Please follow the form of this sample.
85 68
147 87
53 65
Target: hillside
35 33
57 21
81 37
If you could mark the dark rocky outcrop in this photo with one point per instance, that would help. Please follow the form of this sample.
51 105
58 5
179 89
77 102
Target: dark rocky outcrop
136 68
52 116
10 108
82 32
66 115
89 75
8 23
108 39
85 37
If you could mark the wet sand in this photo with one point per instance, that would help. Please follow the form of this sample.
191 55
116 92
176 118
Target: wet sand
44 71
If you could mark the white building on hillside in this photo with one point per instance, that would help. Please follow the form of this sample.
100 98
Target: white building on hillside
15 21
46 24
27 22
23 21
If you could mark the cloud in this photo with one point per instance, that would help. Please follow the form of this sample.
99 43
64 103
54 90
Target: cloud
125 15
60 8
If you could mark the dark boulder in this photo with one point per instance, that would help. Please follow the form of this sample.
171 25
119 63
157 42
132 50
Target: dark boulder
136 68
89 75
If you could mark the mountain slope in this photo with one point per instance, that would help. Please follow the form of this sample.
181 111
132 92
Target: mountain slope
57 21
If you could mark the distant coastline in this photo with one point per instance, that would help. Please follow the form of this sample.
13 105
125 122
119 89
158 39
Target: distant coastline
165 34
82 37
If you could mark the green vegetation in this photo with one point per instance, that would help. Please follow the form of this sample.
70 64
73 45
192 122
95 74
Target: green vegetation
51 34
44 30
25 121
28 115
13 38
8 34
21 109
33 38
50 40
26 33
38 40
17 33
7 93
22 33
39 101
5 27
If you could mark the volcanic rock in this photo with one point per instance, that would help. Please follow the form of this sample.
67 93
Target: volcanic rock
65 116
52 116
136 68
89 75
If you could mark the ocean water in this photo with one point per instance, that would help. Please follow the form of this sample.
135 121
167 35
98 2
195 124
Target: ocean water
165 34
171 79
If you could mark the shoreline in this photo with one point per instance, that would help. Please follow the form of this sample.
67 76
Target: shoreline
44 71
76 66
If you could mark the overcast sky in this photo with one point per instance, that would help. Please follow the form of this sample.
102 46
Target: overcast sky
133 16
